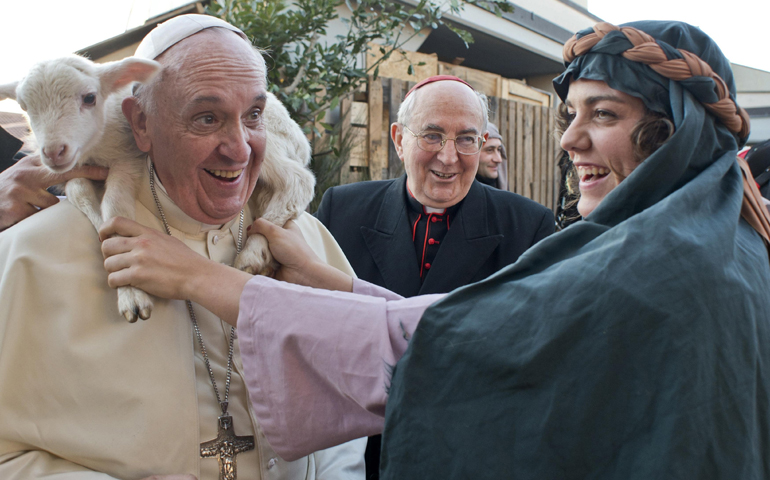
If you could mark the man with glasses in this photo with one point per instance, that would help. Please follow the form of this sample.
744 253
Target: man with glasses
434 229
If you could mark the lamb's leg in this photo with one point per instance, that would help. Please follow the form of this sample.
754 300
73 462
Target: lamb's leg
119 201
82 193
285 189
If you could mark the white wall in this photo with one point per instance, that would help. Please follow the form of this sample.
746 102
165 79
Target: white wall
749 79
753 86
753 100
760 130
559 13
554 11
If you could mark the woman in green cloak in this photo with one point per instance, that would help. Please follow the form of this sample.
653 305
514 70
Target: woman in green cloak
631 345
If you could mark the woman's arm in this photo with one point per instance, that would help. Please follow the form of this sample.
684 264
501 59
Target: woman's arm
299 264
317 362
163 266
23 187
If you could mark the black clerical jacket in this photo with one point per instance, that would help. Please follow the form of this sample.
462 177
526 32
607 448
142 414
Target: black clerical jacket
490 230
9 145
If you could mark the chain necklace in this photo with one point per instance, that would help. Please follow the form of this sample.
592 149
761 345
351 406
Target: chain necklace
227 445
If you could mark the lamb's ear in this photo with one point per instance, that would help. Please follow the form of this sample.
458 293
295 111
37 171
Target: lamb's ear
8 90
116 75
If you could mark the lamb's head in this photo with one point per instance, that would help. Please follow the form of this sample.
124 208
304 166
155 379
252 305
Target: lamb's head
65 100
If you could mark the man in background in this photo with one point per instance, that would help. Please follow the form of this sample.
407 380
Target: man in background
493 161
435 228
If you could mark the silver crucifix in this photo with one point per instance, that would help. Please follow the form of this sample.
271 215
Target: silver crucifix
226 446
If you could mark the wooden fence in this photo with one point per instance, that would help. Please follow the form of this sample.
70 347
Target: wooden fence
527 132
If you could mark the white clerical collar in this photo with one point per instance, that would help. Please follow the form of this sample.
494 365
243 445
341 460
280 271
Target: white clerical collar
174 215
434 210
418 206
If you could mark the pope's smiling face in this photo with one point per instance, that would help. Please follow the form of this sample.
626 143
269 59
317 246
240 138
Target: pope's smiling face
205 135
440 179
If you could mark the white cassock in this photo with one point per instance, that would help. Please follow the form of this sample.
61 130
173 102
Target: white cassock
86 395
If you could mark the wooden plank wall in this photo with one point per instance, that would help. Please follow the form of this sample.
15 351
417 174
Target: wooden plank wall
527 132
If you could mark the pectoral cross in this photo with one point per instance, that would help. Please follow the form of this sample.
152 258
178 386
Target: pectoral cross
226 446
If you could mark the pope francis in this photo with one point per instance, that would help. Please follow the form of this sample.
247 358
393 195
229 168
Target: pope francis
85 395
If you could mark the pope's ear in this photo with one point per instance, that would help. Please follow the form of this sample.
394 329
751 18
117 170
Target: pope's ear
137 119
397 135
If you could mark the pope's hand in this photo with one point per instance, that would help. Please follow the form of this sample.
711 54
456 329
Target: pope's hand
23 187
148 259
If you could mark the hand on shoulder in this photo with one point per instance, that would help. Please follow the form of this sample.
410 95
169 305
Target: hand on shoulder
299 263
149 259
23 188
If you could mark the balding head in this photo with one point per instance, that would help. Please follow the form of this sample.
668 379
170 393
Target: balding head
407 108
444 108
186 54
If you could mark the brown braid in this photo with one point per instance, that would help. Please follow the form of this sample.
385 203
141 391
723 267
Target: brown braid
646 50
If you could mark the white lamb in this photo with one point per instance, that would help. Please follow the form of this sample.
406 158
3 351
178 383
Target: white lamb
74 109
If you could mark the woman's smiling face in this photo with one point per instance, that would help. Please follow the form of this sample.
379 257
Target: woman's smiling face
598 138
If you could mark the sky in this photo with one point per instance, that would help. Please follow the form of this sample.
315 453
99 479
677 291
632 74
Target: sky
42 29
740 27
35 30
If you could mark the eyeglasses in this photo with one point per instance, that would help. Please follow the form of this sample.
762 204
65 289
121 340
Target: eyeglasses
435 141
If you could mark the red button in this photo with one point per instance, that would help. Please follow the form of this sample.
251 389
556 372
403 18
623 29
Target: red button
431 241
427 266
433 219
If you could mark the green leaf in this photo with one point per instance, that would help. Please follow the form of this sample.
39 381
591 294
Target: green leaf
464 35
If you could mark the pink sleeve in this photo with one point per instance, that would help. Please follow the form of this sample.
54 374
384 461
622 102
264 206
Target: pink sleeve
316 361
362 287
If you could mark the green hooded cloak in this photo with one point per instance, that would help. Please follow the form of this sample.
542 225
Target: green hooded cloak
631 345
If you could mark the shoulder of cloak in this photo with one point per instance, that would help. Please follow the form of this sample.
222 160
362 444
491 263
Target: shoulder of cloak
357 196
345 208
509 213
322 242
55 234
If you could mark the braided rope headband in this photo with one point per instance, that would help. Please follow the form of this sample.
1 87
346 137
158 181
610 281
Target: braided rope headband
647 51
